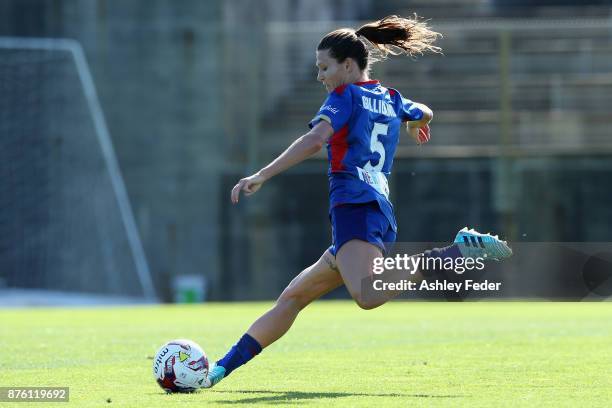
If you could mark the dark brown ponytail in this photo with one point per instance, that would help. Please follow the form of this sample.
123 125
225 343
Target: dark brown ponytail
396 35
390 35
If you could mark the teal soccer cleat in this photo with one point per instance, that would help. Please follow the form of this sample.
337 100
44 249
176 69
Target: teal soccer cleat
473 244
215 375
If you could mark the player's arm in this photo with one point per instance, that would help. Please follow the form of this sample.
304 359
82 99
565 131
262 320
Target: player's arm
304 147
419 129
427 116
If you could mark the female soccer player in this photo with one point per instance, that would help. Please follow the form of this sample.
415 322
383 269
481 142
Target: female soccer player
359 122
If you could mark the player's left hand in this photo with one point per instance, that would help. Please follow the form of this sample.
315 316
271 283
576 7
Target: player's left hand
249 185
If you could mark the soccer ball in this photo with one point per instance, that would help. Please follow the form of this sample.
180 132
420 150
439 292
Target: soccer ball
180 366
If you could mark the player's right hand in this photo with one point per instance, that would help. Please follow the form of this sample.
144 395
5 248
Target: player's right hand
249 185
420 135
424 134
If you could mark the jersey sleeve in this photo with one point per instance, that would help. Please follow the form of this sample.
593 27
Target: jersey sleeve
336 110
408 110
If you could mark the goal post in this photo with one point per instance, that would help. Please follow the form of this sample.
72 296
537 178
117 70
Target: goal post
65 202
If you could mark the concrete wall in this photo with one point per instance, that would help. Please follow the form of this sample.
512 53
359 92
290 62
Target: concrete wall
178 83
156 66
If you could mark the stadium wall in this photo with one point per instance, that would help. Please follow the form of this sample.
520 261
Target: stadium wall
185 87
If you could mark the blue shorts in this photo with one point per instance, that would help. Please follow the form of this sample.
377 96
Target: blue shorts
364 221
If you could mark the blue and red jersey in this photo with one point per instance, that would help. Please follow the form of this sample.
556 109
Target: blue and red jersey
366 118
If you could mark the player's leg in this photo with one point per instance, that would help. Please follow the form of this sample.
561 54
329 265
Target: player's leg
312 283
360 233
355 261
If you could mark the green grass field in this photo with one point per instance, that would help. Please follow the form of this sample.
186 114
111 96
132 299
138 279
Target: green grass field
402 354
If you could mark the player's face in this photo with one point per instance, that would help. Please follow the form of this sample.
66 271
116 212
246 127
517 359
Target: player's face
331 73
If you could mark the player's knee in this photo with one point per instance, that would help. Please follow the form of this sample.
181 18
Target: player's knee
365 303
293 298
368 305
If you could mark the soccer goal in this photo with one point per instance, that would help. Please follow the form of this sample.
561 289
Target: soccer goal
66 224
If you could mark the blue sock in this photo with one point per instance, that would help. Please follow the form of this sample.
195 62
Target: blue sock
240 354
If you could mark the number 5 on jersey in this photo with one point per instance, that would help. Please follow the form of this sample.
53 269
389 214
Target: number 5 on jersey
376 146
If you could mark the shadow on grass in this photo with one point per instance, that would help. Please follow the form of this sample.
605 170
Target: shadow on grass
289 397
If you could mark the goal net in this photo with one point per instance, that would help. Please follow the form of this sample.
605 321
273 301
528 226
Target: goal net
65 219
